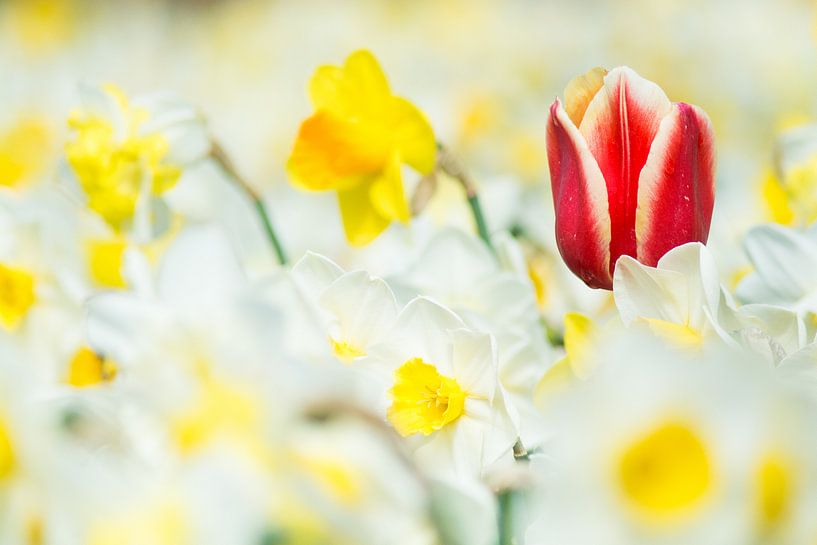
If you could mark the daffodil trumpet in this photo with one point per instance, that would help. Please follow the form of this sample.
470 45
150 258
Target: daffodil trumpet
218 155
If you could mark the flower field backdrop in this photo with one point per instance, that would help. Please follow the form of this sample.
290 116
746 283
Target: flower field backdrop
466 272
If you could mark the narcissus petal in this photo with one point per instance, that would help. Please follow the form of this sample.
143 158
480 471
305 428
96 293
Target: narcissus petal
361 220
580 200
619 126
331 153
676 190
387 195
358 85
412 135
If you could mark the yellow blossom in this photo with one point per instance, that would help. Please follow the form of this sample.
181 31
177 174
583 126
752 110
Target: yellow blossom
580 340
423 400
24 150
7 458
105 259
117 165
774 482
87 368
17 295
161 523
665 472
356 142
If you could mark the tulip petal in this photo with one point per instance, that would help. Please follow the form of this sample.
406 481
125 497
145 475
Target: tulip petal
580 91
619 126
580 200
676 190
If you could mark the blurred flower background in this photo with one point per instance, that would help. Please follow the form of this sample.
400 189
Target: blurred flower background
285 272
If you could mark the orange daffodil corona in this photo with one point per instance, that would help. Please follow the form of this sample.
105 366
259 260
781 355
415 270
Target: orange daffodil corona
632 173
356 142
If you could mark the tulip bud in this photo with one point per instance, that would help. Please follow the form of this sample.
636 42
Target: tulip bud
632 173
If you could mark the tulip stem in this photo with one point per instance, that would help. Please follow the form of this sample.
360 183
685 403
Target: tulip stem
450 166
223 160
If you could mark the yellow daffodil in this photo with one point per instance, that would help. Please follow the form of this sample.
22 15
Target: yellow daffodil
355 143
124 153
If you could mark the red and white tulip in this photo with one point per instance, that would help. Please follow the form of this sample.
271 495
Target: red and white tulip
632 173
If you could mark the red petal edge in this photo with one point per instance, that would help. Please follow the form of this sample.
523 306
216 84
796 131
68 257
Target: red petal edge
676 192
580 201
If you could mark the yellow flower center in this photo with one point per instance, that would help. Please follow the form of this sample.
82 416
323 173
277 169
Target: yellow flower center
87 368
163 523
345 351
105 258
774 483
334 477
112 170
792 198
6 453
423 400
217 411
666 471
16 295
681 335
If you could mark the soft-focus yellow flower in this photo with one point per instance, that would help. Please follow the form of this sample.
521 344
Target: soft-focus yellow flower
219 410
580 348
776 200
17 295
423 400
6 453
105 259
335 478
774 482
161 523
356 141
665 472
44 25
87 368
24 151
115 163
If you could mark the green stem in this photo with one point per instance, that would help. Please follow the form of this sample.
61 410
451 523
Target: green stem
450 166
218 154
273 238
479 219
505 521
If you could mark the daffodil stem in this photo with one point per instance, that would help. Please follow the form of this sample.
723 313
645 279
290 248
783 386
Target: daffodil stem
450 166
505 520
479 219
218 154
270 230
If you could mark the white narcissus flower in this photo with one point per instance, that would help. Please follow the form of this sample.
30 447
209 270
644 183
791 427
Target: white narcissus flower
445 395
784 260
663 446
350 478
459 271
357 309
681 299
